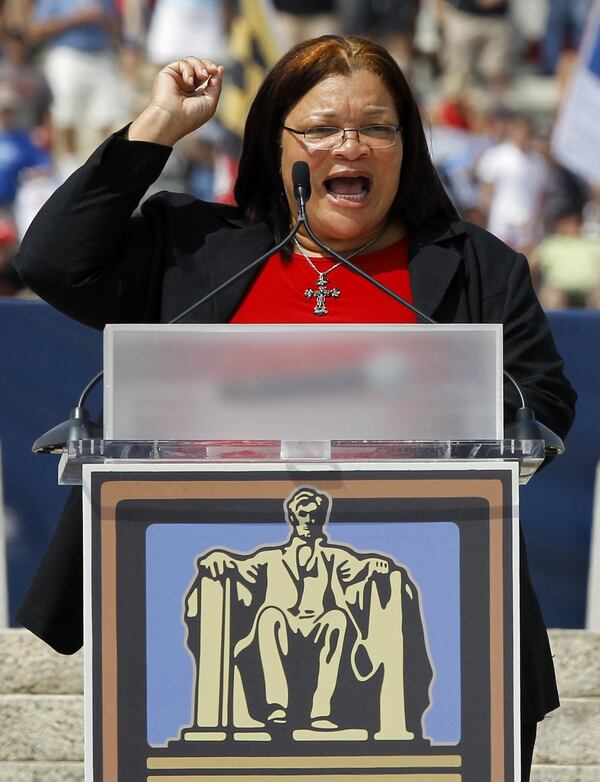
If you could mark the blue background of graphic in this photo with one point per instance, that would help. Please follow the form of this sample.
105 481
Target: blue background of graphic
430 551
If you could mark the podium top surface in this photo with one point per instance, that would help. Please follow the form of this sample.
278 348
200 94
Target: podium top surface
528 453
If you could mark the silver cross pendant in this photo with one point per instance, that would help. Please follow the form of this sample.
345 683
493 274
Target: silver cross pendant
321 294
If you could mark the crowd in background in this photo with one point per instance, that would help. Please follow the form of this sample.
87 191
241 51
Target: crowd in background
490 76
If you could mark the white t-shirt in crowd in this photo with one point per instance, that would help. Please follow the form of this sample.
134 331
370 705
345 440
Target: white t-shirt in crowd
179 28
519 181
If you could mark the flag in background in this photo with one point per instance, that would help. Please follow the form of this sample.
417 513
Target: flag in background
576 136
255 43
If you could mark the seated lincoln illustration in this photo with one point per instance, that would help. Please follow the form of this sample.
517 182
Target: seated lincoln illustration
308 638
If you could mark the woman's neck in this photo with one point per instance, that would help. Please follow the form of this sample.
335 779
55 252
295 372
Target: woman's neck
377 240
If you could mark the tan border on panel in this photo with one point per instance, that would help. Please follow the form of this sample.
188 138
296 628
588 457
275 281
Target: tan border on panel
113 492
385 777
306 761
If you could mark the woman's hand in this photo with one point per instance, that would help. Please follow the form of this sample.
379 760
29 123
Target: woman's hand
185 95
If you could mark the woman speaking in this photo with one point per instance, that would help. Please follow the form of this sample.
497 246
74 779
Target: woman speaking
343 107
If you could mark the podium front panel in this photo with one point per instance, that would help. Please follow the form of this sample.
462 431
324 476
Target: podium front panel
347 621
295 382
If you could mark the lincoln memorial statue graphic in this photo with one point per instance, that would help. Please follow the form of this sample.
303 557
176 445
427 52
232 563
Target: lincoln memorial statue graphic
309 640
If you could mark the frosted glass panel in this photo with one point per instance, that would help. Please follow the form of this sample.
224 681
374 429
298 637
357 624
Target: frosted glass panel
317 382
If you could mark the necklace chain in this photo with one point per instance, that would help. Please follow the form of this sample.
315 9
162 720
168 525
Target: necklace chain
339 263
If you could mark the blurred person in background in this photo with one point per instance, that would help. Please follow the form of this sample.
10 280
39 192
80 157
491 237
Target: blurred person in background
303 19
10 282
180 26
17 152
213 163
564 29
390 22
566 193
567 265
78 39
20 74
135 17
591 213
14 13
135 70
462 129
513 178
136 75
476 43
201 154
36 185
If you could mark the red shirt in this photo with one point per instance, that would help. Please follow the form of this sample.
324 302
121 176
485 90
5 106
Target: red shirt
286 291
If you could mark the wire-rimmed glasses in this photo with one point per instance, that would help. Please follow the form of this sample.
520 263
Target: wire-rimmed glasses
326 137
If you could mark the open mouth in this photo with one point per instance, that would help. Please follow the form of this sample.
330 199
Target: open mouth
349 188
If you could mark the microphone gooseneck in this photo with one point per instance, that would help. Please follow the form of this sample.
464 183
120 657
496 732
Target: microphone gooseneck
525 426
301 184
79 425
365 275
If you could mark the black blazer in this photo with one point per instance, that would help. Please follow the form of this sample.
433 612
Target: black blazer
88 257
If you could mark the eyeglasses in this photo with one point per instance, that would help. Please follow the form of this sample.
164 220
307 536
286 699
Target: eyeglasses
325 137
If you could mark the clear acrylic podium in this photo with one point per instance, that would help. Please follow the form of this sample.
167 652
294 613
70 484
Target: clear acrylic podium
217 392
287 597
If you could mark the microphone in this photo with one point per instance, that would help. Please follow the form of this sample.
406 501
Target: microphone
302 189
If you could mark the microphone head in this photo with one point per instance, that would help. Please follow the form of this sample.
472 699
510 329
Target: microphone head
301 178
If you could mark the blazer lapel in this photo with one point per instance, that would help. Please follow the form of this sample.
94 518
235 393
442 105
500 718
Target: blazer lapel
433 262
227 253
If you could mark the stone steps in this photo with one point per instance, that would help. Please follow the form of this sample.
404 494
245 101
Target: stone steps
568 744
41 772
41 712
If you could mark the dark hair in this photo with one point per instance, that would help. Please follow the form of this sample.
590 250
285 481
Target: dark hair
421 198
